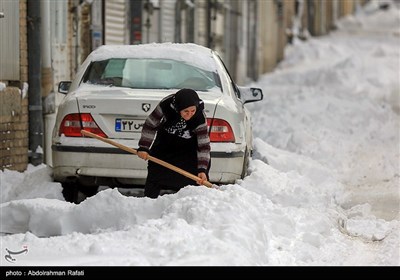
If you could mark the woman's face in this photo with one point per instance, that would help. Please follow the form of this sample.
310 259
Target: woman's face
188 112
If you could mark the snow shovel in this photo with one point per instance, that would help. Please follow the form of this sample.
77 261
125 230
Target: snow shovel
156 160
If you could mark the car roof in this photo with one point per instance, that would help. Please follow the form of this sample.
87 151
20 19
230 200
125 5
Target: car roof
190 53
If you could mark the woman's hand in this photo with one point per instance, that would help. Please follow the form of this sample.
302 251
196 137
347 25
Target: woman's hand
143 155
203 177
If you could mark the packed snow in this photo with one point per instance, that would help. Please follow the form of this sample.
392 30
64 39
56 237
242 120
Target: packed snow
323 188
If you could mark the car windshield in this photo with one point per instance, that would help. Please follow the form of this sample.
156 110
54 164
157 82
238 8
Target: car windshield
150 74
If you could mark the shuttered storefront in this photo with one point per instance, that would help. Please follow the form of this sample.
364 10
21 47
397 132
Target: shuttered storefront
252 65
201 23
232 18
9 42
116 29
167 21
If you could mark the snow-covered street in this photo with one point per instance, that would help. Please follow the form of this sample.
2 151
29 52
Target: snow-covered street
324 187
336 100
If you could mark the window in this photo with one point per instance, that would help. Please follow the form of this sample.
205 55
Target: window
150 74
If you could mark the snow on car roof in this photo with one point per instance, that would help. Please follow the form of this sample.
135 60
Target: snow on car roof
188 52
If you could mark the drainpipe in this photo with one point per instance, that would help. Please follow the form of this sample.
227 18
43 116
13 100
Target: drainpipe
34 81
178 22
209 19
47 72
48 94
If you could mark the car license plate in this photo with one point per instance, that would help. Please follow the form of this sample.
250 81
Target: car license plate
126 125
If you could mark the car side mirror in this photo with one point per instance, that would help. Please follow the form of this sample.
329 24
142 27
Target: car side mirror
63 87
250 94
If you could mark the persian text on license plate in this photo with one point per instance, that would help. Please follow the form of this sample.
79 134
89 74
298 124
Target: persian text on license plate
126 125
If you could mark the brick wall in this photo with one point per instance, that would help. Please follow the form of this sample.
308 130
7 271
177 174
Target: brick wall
13 129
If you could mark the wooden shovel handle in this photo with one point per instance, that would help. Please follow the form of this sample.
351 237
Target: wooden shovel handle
151 158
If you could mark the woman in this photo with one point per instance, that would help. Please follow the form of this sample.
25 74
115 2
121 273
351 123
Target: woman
175 132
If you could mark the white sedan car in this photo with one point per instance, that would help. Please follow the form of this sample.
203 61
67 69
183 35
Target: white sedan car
114 91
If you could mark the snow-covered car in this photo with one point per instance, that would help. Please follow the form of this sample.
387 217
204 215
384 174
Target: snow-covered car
114 91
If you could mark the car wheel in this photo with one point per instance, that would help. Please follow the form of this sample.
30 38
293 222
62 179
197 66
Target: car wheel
70 191
76 193
89 190
246 162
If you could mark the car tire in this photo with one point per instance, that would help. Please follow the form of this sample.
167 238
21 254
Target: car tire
89 191
70 191
76 193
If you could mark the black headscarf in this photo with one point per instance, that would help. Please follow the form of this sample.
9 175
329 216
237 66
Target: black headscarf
185 98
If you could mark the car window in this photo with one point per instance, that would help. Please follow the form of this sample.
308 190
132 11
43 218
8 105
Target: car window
233 84
150 74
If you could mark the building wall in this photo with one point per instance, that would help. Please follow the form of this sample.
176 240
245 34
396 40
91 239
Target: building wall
289 6
281 14
241 70
268 35
13 130
329 16
304 19
14 127
346 7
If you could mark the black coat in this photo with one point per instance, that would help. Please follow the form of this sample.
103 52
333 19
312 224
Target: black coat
176 142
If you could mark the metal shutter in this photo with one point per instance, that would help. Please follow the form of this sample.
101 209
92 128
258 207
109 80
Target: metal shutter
9 42
167 20
116 22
